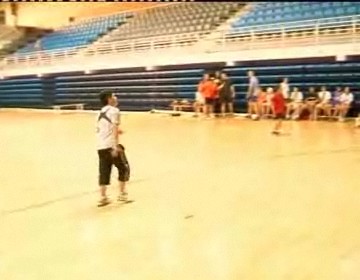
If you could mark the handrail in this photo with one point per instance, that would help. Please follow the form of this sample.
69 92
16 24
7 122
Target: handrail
108 46
284 30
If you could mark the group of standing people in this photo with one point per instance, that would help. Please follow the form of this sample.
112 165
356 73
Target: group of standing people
213 91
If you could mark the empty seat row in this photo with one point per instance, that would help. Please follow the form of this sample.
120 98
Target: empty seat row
267 5
174 19
76 35
265 14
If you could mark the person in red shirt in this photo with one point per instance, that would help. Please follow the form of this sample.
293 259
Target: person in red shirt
209 91
201 89
279 107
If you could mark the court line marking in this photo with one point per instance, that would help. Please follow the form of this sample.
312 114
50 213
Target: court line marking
56 200
82 194
317 153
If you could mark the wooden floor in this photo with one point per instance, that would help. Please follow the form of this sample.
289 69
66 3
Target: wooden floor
214 199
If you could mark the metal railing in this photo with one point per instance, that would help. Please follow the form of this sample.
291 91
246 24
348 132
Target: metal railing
309 32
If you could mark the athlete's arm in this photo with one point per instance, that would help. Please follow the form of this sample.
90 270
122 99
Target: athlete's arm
116 132
115 148
221 85
115 119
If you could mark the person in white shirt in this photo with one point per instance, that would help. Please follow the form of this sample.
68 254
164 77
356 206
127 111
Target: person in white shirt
199 103
324 104
335 102
285 88
346 98
110 152
295 104
311 100
265 103
252 95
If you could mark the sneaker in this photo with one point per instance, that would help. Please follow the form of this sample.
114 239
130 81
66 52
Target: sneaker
103 202
275 132
123 197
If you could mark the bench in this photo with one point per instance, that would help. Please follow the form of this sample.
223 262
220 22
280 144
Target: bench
180 105
78 106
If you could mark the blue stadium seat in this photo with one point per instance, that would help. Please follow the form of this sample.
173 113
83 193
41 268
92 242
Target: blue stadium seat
287 12
76 35
144 90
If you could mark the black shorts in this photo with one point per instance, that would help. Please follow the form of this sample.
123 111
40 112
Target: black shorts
226 99
209 101
279 116
106 161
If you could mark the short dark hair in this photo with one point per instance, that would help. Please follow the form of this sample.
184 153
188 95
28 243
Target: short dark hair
105 95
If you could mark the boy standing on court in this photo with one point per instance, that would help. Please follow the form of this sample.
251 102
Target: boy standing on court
110 152
279 106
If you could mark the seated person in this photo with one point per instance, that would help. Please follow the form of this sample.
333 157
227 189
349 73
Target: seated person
264 102
324 104
335 102
179 105
346 99
295 105
175 105
311 101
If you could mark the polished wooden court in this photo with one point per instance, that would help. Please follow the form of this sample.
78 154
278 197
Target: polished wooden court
213 199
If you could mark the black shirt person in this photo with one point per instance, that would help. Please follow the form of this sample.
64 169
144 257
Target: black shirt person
226 94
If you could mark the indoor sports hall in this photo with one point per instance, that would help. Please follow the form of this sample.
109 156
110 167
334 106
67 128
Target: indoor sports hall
213 193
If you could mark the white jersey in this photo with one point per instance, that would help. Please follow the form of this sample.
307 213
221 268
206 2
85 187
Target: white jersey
346 98
285 89
297 97
107 118
324 96
253 86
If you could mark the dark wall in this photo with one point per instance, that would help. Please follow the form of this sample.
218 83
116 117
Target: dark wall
138 89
